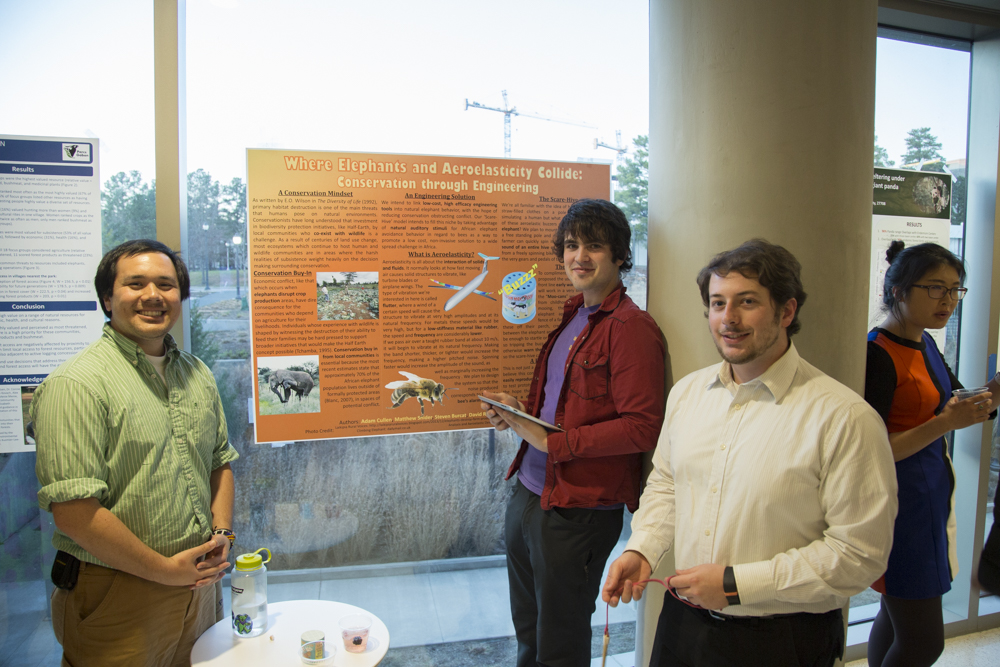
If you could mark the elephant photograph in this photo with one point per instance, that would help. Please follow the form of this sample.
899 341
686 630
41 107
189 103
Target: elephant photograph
283 380
288 385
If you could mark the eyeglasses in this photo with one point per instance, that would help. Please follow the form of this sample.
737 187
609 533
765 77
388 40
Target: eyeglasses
938 291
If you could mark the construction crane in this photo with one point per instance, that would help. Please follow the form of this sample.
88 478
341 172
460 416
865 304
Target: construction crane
617 149
509 111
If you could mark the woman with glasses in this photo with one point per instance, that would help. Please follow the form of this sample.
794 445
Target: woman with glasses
910 385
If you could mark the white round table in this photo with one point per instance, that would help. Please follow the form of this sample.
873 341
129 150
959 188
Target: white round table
286 621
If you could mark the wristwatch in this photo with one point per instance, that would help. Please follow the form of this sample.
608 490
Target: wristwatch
729 586
230 535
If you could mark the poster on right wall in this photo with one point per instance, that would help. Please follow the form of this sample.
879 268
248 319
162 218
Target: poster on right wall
913 207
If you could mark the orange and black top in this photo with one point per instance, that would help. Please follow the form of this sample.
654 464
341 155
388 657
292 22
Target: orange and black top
908 383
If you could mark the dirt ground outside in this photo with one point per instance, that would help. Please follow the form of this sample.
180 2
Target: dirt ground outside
351 302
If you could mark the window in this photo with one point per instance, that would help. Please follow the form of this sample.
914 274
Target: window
108 95
76 70
921 123
395 524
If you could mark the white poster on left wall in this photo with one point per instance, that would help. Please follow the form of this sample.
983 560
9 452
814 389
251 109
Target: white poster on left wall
50 246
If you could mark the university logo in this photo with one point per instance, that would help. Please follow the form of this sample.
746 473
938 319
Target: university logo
76 152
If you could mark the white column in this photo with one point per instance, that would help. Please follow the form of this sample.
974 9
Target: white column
169 67
761 124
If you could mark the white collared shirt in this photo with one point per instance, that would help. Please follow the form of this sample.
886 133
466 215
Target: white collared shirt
789 478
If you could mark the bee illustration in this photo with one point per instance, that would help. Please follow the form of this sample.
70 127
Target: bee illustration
416 387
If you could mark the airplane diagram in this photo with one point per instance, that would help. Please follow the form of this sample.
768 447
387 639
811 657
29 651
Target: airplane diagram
469 288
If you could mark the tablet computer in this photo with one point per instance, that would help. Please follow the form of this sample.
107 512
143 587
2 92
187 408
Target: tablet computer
504 406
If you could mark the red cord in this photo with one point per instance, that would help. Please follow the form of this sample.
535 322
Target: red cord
670 590
665 583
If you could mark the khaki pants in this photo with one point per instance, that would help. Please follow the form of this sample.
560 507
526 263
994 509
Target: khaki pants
113 619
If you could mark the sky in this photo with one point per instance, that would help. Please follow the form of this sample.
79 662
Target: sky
81 69
383 76
380 76
921 86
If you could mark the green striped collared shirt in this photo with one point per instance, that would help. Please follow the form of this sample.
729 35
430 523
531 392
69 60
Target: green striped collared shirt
106 427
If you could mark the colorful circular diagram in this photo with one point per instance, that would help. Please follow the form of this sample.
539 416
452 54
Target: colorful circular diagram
519 292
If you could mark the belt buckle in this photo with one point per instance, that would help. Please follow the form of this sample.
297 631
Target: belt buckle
718 617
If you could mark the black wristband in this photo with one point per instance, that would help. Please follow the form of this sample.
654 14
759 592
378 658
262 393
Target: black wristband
729 586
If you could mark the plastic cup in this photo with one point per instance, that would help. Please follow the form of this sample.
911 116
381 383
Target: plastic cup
354 629
962 394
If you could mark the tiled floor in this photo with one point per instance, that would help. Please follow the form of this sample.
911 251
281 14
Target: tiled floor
979 650
621 660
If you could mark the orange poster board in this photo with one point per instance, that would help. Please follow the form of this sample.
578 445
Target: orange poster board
386 291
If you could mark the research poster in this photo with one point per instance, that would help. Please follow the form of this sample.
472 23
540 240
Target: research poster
913 207
50 245
387 291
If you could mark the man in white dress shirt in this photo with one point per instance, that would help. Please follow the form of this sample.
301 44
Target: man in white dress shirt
773 481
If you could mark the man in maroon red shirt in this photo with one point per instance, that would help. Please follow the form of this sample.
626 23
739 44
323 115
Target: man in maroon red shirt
601 377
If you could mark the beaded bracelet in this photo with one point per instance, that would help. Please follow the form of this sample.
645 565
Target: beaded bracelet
228 533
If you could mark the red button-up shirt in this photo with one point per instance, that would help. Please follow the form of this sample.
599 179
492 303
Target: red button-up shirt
610 406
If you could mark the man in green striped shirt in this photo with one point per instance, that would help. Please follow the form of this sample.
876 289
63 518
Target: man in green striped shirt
133 462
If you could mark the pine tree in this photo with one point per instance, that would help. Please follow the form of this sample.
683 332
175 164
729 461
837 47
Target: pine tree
632 196
882 156
921 146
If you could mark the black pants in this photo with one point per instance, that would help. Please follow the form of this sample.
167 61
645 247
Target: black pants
555 560
687 637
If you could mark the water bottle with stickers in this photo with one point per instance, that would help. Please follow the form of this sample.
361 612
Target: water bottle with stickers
249 588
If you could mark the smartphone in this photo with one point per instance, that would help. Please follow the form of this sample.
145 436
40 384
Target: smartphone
65 570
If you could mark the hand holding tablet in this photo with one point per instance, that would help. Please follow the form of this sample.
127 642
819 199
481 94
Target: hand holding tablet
519 413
